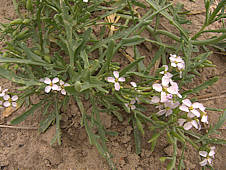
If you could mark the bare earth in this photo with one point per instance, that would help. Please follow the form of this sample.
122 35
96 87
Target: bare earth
26 149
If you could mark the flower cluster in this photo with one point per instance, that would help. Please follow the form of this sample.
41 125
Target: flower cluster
168 92
194 111
166 96
207 156
55 85
7 100
177 62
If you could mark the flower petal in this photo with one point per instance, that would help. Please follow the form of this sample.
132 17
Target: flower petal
187 102
173 65
63 91
190 115
127 105
165 81
14 104
155 99
195 124
184 108
117 86
55 87
204 119
203 153
203 163
15 98
163 97
116 74
48 89
62 82
211 153
187 125
6 104
133 107
169 112
133 84
55 80
66 84
111 79
6 97
157 87
133 101
161 112
209 160
121 79
181 121
47 80
195 112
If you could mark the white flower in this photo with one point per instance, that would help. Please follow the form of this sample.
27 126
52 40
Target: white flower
10 101
131 105
116 79
177 62
167 108
167 91
188 124
187 106
165 72
3 92
208 156
133 84
61 87
154 100
85 0
51 84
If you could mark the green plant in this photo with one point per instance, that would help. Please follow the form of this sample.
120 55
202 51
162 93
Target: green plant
54 52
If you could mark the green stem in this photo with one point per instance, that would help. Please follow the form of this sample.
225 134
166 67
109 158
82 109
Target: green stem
199 33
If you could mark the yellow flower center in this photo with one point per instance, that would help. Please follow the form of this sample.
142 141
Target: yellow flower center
191 108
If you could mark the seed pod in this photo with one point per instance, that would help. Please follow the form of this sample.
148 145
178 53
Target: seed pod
21 35
26 21
16 21
47 58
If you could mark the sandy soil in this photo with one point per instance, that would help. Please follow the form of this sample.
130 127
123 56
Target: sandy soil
26 149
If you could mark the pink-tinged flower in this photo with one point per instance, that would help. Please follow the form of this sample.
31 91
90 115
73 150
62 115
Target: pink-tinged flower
10 101
165 72
187 106
131 105
178 63
167 91
61 87
188 124
51 84
208 156
133 84
3 92
116 79
154 100
167 108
